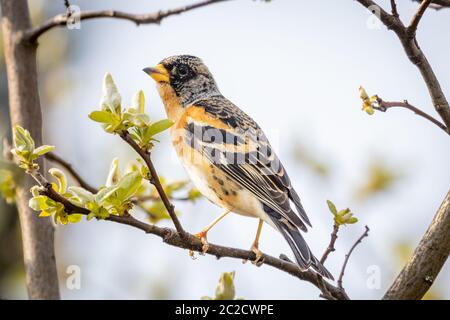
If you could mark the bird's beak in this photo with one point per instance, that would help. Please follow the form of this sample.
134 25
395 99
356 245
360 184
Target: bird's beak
158 73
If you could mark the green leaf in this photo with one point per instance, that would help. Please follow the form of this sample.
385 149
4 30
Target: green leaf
38 203
102 116
62 179
225 289
128 185
332 207
194 194
82 194
7 185
352 220
158 127
23 138
138 102
74 217
43 150
44 214
111 98
104 193
114 173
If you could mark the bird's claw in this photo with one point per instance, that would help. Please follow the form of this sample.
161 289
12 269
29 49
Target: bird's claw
202 237
259 256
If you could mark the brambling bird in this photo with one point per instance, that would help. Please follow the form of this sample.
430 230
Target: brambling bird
228 157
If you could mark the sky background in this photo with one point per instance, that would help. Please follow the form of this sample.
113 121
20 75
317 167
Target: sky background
295 67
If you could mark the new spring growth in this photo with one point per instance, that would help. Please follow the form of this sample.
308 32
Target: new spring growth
368 103
155 208
7 185
225 289
341 217
112 199
116 119
25 151
48 207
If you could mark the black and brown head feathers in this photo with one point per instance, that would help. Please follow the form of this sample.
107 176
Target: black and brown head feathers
187 75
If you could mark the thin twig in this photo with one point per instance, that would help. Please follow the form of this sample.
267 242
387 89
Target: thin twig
330 247
347 256
394 8
437 4
412 28
417 57
83 183
68 11
154 180
151 18
190 242
383 106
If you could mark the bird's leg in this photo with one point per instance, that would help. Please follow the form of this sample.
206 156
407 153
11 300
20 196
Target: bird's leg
202 235
255 244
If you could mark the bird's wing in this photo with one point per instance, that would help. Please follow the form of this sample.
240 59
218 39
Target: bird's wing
233 142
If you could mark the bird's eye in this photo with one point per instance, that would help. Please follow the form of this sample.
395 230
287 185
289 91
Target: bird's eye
182 70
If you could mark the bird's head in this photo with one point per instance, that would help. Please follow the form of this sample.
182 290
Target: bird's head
186 75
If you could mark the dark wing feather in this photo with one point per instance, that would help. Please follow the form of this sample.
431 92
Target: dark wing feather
248 159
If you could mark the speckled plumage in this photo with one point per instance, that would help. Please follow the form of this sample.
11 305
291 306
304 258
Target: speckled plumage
227 155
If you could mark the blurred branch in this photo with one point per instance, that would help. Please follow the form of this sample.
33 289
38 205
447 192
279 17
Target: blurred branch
190 242
415 54
53 157
437 4
68 11
157 198
154 180
33 34
427 260
383 106
347 256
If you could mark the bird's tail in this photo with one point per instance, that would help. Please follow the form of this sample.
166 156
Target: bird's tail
303 255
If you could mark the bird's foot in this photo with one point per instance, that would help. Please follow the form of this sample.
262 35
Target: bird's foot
259 260
202 236
259 256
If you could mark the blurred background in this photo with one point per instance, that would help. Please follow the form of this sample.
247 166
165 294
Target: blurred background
295 67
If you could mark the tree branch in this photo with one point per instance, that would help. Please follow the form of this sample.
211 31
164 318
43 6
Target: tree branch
417 57
33 34
437 4
394 8
25 110
383 106
412 28
347 256
190 242
83 183
154 180
330 247
427 260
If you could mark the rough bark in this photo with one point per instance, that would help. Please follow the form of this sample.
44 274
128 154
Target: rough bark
25 110
427 261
